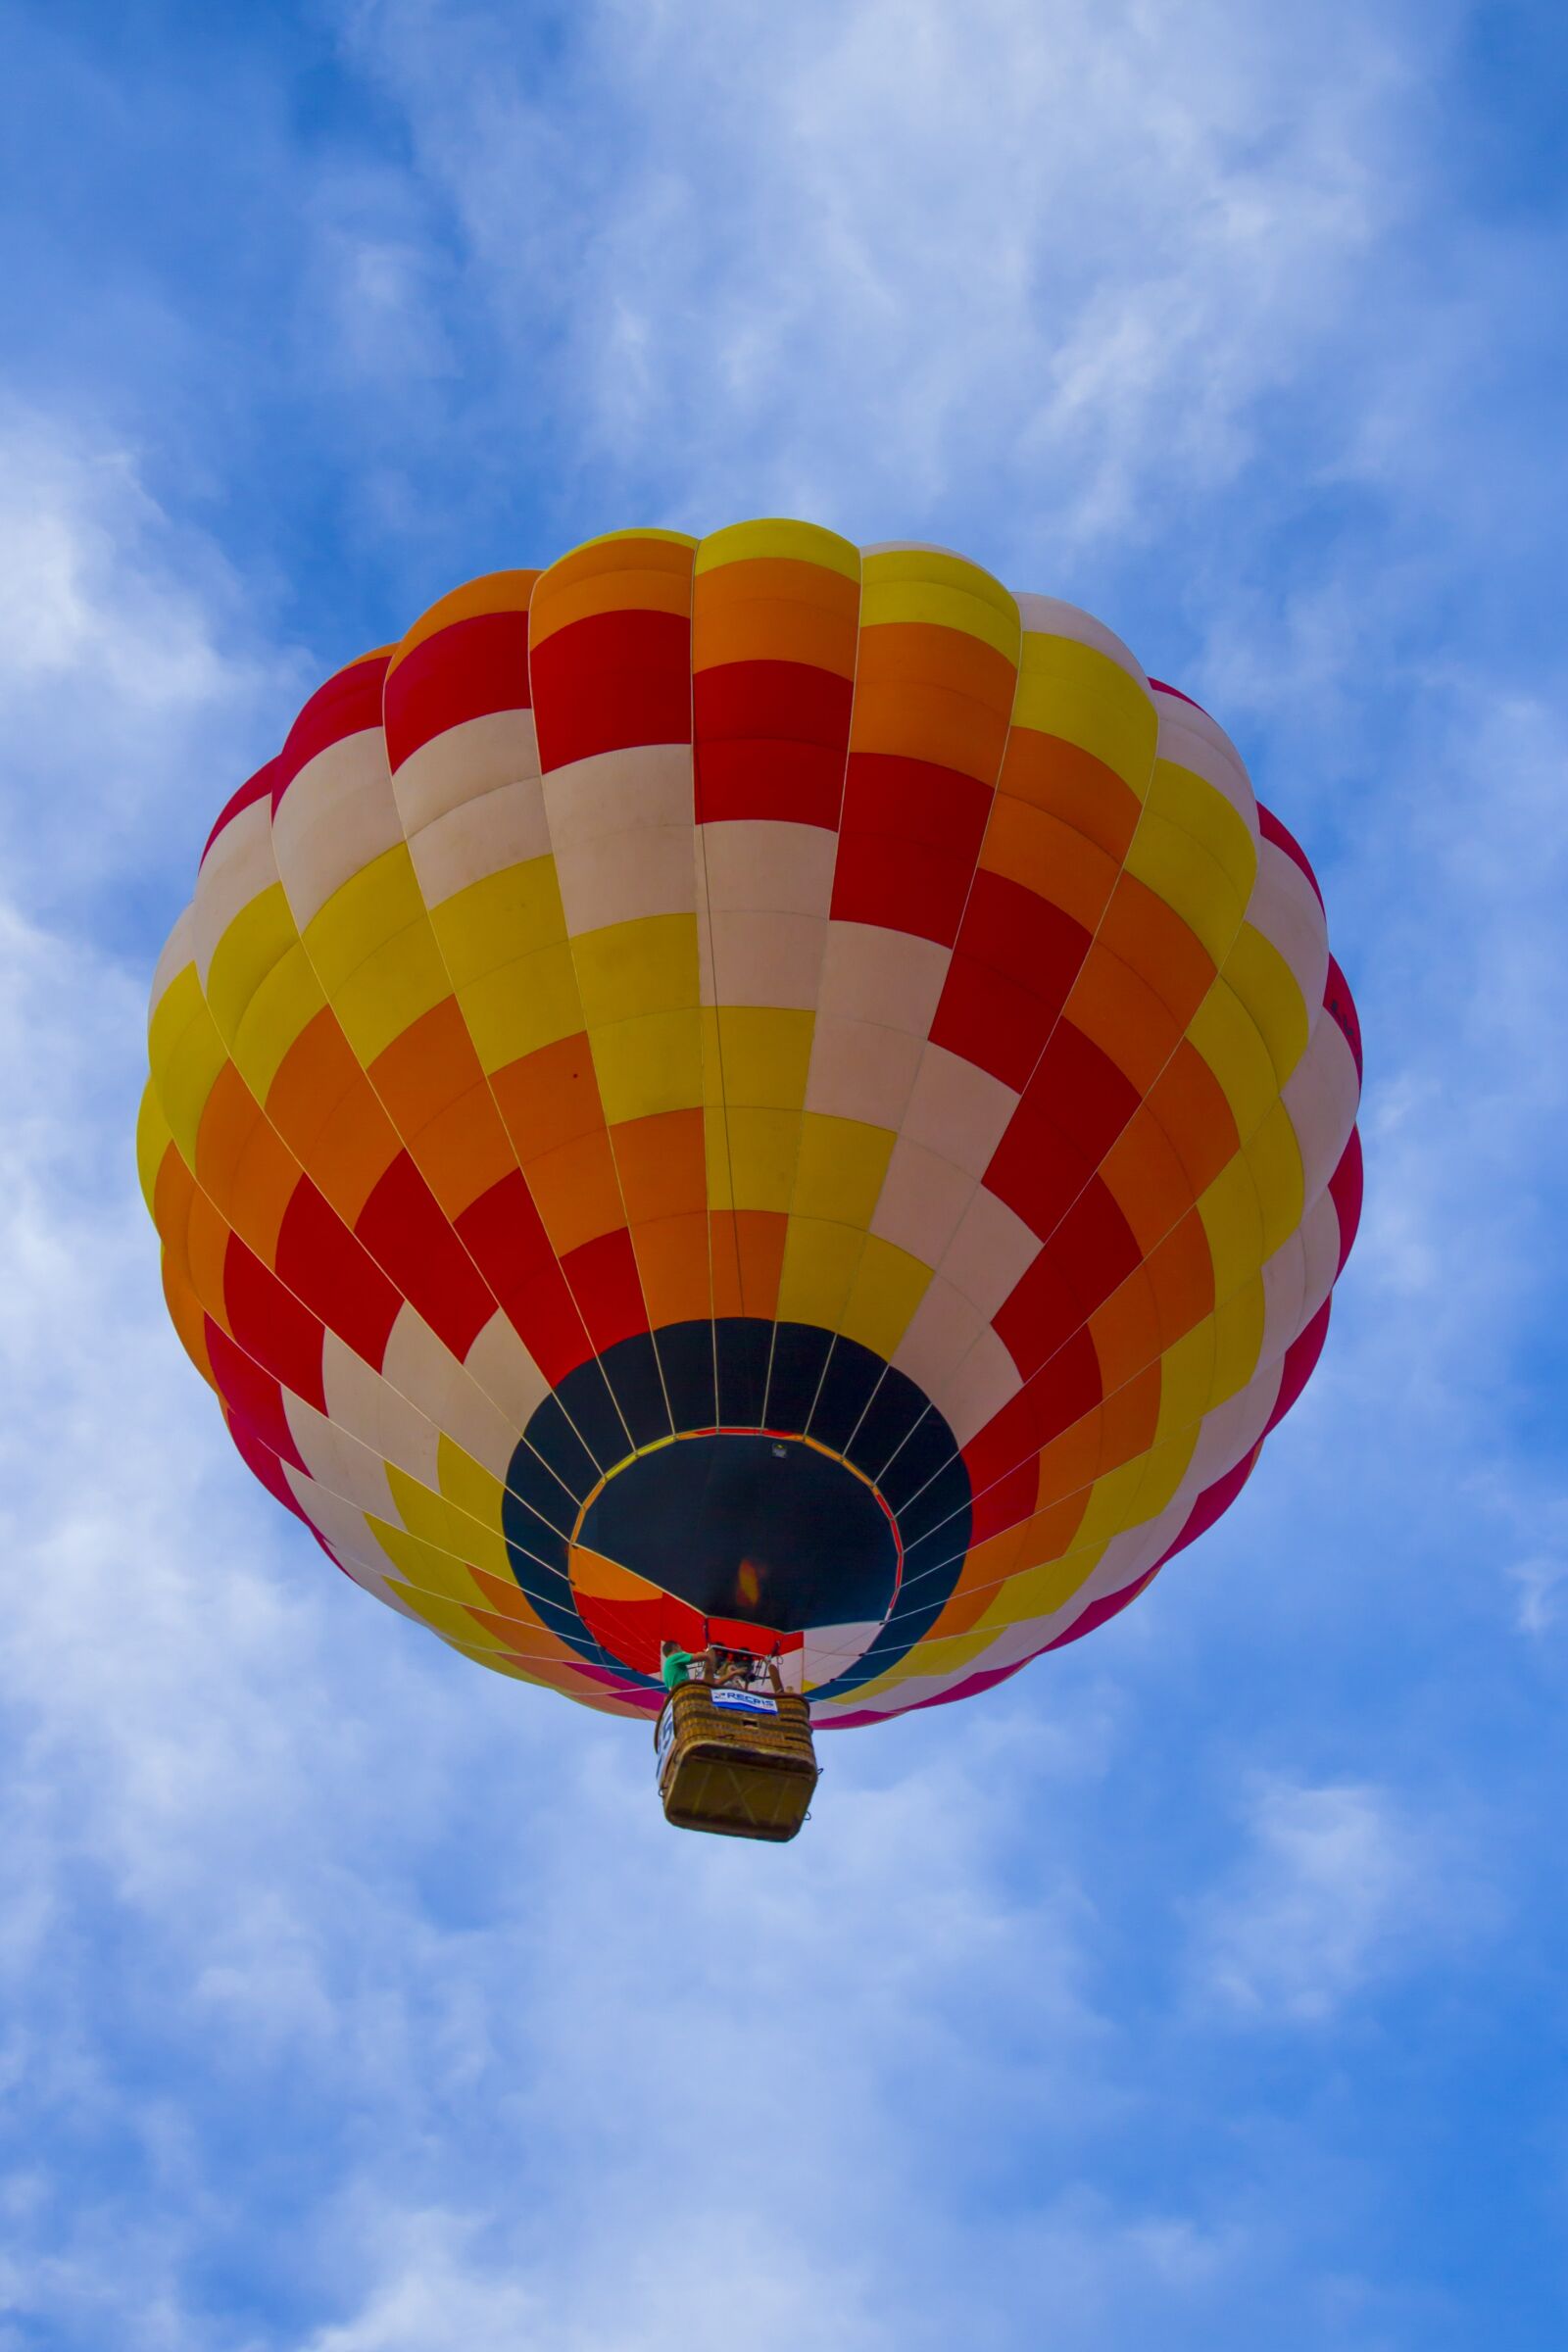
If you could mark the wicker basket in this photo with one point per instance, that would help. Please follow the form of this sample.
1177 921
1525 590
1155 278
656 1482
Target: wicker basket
739 1771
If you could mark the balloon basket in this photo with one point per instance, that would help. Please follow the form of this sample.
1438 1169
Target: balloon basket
735 1762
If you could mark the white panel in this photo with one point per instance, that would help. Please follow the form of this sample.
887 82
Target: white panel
501 829
1321 1095
421 1367
373 1411
336 816
922 1202
180 950
888 977
1049 617
990 1253
506 1371
1285 907
959 1111
464 763
236 869
1189 738
764 861
860 1071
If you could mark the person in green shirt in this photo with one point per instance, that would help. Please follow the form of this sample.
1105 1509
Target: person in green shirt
674 1664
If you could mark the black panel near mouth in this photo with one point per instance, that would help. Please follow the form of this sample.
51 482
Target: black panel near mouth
762 1529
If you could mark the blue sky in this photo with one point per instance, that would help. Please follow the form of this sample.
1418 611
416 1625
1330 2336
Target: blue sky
1205 1985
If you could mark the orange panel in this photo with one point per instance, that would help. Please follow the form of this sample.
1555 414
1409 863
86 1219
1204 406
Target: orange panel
209 1247
929 693
673 1263
188 1318
173 1193
1126 1331
622 574
495 592
323 1105
1071 784
748 1256
575 1192
1146 1179
1121 1013
1153 941
427 1067
775 609
549 1098
663 1170
1129 1419
260 1186
1190 1103
1048 856
1182 1274
1070 1463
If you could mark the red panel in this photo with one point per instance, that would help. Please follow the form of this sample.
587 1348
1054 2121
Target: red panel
263 1463
253 1397
991 1020
1345 1191
320 1259
1040 1316
1094 1246
408 1235
604 1278
614 679
1268 824
771 741
345 705
1069 1386
271 1324
909 837
503 1229
1036 944
1008 1438
1086 1095
1301 1361
1340 1002
1005 1503
259 786
1035 1169
462 671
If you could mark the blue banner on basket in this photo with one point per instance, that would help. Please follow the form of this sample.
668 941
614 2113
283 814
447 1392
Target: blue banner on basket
746 1702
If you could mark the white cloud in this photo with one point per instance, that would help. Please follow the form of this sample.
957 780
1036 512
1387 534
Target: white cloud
862 261
1338 1887
134 694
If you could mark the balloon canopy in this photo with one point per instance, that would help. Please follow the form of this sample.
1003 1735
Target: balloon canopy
755 1089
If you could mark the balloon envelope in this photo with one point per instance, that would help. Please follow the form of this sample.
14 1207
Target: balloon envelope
755 1088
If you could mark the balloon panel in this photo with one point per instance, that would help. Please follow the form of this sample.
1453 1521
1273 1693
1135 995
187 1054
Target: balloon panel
753 1083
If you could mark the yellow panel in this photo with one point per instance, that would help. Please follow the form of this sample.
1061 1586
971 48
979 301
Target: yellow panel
1200 809
888 1285
801 541
1228 1037
751 1158
1266 984
1165 857
375 905
1077 693
493 921
1186 1374
521 1006
820 1265
843 1162
926 584
276 1016
649 966
454 1622
649 1065
396 985
1036 1592
1233 1220
257 939
439 1521
1237 1341
1274 1158
429 1567
154 1136
186 1055
468 1485
756 1054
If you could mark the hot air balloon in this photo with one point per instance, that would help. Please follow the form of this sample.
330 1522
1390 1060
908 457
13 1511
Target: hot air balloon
760 1096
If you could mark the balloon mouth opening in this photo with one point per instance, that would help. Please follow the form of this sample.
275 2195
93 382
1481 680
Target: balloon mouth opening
756 1538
